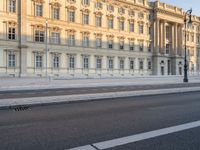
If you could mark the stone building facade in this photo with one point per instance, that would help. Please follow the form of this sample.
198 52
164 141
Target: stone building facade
92 38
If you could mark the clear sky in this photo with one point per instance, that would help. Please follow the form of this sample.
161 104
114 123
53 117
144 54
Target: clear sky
186 4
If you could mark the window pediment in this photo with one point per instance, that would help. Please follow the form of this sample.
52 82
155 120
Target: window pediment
110 16
121 18
38 1
98 13
71 7
55 28
12 23
39 26
110 36
55 3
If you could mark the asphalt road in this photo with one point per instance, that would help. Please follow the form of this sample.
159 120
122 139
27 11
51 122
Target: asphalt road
72 91
59 127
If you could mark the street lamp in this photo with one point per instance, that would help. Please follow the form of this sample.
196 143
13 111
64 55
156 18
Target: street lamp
46 49
187 14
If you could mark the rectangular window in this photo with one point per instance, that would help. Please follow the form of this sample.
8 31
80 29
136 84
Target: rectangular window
85 41
38 10
131 27
55 38
85 19
149 65
56 62
86 2
98 63
98 43
56 13
85 62
141 31
110 8
11 33
12 6
131 46
39 36
110 44
98 5
38 61
121 25
149 47
121 45
121 64
110 23
168 47
11 60
98 21
141 65
71 40
141 47
110 63
131 64
71 62
71 16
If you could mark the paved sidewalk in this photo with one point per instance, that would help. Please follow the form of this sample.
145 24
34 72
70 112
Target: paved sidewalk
42 83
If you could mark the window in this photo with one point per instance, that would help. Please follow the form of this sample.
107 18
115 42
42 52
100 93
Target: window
121 10
110 44
98 63
131 64
168 47
131 13
38 62
168 33
98 5
98 21
141 46
86 2
149 47
110 63
71 40
71 62
192 38
98 42
121 64
12 33
56 63
55 37
39 36
85 19
56 13
85 41
71 16
188 37
11 60
141 1
141 65
85 62
140 15
121 45
198 39
110 23
149 65
121 25
141 31
12 6
110 8
131 46
38 10
131 27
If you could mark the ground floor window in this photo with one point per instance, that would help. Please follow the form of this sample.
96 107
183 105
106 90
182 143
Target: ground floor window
56 62
11 60
38 61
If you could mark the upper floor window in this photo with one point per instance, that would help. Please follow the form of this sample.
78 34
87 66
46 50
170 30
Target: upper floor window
71 40
11 33
121 45
141 29
121 64
85 41
121 25
55 37
110 23
141 65
168 33
98 42
11 59
71 62
86 2
121 10
149 47
149 65
131 64
141 1
98 21
131 27
141 46
140 15
38 10
98 5
110 63
85 18
131 46
131 13
39 36
110 8
71 16
98 63
168 47
56 13
85 62
56 61
12 6
110 44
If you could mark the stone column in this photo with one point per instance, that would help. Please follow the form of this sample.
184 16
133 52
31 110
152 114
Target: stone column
173 41
175 38
164 37
157 35
161 37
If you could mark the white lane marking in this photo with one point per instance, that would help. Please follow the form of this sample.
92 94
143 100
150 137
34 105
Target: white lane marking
143 136
87 147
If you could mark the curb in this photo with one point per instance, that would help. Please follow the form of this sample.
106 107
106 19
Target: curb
42 101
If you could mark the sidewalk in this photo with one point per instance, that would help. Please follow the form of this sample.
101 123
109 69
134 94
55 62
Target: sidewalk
42 83
38 83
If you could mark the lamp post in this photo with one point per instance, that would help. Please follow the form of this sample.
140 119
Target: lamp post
187 14
46 49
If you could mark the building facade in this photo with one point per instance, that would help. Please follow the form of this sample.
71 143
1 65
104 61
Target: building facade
95 38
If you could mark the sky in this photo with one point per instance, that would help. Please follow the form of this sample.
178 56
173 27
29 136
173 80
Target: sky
186 4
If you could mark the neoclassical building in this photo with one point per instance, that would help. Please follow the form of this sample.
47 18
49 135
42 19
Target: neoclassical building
93 38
